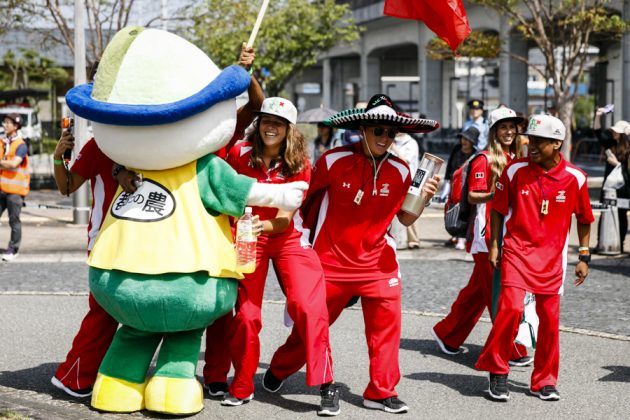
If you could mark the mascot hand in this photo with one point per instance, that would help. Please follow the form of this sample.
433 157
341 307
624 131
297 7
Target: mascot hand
283 196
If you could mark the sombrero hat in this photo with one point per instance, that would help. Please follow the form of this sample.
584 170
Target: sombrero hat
150 77
380 110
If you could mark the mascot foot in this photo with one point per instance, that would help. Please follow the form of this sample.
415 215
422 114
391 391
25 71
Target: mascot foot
117 395
174 395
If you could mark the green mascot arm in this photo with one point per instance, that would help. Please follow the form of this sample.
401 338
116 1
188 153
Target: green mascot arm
222 189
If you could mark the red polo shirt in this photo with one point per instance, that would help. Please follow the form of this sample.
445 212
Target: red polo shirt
535 245
239 158
351 239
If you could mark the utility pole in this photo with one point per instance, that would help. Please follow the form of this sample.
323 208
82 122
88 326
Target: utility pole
80 199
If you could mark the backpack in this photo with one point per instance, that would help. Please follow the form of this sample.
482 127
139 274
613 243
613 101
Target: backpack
459 211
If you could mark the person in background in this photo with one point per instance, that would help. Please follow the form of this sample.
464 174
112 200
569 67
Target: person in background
617 141
406 148
522 142
14 180
476 118
355 193
462 151
535 200
324 141
451 332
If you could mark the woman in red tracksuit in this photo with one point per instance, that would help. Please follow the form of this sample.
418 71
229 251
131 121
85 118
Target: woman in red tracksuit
476 296
275 152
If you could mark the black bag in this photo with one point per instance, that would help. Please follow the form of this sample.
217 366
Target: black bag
458 215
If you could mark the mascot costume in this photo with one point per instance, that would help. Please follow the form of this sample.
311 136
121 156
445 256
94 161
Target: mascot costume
164 263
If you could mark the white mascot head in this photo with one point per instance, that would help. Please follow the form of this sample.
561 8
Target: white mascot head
158 101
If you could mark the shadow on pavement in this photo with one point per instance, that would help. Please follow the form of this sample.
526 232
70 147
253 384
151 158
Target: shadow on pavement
37 379
617 374
466 385
467 358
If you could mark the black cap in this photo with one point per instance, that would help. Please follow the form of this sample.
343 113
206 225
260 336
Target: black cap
475 104
471 134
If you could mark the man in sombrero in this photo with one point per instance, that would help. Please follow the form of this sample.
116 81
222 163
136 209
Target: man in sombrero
355 193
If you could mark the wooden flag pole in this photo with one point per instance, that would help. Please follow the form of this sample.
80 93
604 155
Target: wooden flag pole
259 19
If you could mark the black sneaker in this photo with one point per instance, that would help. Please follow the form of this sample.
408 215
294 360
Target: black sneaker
270 382
498 388
390 405
217 389
445 349
232 401
521 361
547 393
329 405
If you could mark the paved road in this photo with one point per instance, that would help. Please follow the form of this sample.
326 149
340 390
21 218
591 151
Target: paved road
430 286
594 371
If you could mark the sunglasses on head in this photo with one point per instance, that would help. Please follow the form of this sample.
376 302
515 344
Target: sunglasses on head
379 131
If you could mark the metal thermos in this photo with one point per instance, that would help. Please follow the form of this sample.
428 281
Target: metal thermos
429 166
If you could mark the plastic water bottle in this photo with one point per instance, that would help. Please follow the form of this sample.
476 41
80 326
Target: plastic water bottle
245 243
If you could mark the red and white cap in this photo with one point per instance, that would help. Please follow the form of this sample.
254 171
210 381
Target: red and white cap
279 107
547 127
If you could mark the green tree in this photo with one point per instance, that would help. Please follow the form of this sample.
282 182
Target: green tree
29 69
292 35
563 31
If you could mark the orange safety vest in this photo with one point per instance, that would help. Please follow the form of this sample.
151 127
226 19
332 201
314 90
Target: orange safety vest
14 181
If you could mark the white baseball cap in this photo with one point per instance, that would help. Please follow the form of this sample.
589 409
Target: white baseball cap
621 127
501 114
279 107
547 127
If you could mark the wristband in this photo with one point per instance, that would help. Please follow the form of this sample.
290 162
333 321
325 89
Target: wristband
251 70
584 248
57 162
586 258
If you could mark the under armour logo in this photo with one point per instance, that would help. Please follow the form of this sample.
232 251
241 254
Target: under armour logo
346 185
524 192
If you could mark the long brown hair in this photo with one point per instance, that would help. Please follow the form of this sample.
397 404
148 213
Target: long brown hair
293 151
498 161
621 149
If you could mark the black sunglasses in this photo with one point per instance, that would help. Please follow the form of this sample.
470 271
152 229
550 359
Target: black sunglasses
379 131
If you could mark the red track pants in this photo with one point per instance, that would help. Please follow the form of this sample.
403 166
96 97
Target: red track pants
469 306
88 348
302 279
495 354
380 300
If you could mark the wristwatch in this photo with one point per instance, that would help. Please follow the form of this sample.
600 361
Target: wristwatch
585 258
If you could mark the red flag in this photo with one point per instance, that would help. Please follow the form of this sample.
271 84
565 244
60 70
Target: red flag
447 18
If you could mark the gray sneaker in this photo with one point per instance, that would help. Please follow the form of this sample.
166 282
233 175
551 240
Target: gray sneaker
389 405
498 388
329 405
232 401
547 393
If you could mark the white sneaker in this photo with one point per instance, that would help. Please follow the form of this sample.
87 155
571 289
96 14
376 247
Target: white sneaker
9 255
461 244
